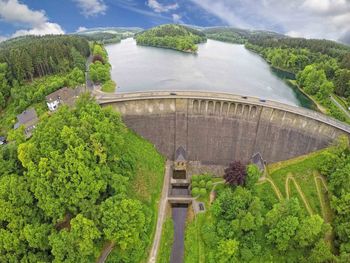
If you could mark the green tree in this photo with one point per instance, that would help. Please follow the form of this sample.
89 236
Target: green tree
99 72
77 244
253 175
311 230
123 222
227 251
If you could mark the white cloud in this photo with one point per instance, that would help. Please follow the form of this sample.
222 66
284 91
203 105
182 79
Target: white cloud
307 18
177 18
91 7
161 8
44 29
34 22
81 29
2 38
12 11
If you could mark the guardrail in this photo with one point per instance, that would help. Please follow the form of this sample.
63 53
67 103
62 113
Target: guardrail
103 98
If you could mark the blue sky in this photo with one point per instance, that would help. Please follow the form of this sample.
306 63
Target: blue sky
306 18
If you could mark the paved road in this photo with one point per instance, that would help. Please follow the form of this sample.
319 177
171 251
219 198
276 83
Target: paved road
161 214
340 106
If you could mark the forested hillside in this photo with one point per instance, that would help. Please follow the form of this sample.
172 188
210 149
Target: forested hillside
25 59
171 36
33 67
71 188
31 57
236 35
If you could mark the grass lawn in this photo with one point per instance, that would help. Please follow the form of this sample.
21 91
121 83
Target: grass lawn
166 241
194 246
302 169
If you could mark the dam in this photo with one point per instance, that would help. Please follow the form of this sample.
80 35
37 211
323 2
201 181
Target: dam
216 128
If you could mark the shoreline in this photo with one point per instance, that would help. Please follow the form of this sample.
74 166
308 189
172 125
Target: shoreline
163 47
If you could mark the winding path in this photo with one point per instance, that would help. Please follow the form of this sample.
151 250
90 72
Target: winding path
300 192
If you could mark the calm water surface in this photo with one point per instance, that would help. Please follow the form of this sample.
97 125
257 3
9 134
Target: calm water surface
218 66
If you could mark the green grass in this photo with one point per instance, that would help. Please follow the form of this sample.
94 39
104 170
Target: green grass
109 86
302 169
194 246
166 241
341 101
146 184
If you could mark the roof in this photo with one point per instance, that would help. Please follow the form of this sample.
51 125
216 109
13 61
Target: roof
27 117
64 94
180 154
258 160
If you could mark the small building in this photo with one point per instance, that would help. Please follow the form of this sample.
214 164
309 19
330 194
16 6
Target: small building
180 163
2 140
64 96
29 120
258 161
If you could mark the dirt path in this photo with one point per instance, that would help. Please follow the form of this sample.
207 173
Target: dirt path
275 188
161 214
300 192
107 249
263 180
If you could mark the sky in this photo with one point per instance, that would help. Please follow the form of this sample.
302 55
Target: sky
328 19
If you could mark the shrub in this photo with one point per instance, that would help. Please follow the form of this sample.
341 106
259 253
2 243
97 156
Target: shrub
109 86
209 185
195 184
206 177
195 191
195 178
202 191
235 174
202 184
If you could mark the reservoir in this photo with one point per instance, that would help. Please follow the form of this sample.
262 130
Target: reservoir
218 67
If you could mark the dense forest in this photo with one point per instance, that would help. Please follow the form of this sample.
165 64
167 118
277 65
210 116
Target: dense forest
171 36
71 188
236 35
249 222
322 67
102 37
25 59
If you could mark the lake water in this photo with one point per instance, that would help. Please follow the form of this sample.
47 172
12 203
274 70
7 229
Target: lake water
218 66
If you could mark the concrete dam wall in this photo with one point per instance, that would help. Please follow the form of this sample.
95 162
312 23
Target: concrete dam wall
217 128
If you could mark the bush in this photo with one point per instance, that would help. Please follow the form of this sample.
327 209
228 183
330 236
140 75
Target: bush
209 185
202 184
195 191
109 86
202 191
206 177
195 178
195 184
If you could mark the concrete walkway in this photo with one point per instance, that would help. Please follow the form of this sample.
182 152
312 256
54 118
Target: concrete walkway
161 214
